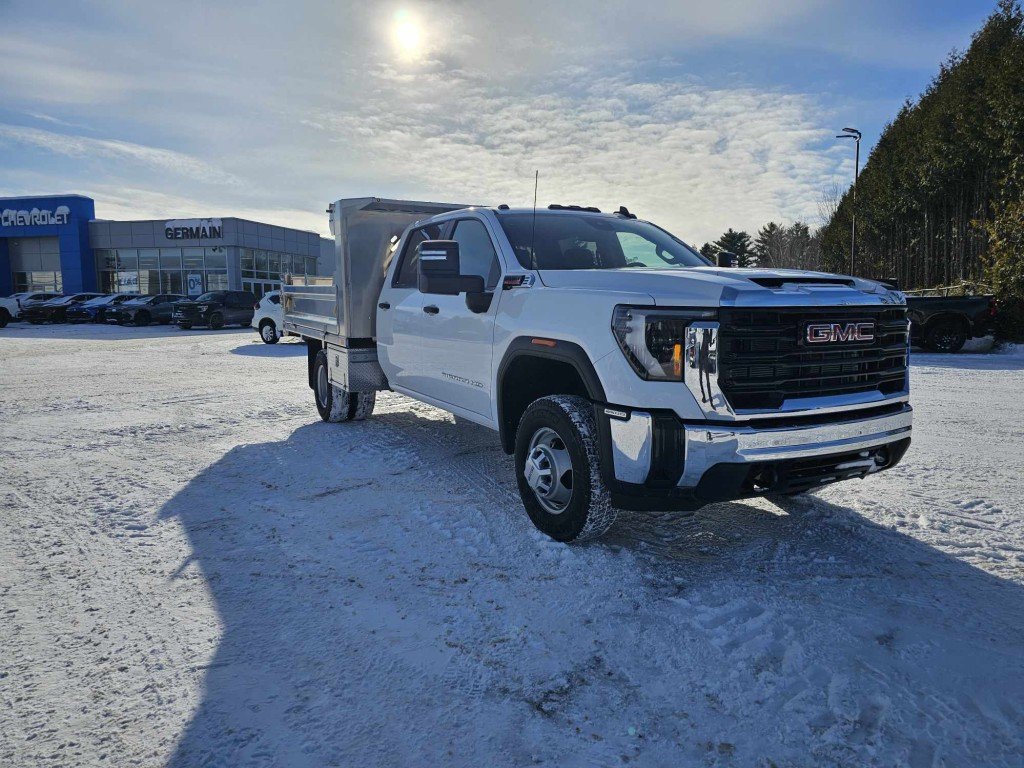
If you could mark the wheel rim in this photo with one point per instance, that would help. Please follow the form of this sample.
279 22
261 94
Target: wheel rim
321 385
548 470
267 331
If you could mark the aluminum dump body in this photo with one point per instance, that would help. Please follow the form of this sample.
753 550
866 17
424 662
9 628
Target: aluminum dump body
342 309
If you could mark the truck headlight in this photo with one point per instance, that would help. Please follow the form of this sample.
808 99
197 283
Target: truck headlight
203 307
654 339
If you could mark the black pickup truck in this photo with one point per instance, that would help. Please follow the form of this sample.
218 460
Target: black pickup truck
945 323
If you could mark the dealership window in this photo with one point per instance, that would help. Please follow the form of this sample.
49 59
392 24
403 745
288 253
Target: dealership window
170 258
171 281
216 258
217 280
35 263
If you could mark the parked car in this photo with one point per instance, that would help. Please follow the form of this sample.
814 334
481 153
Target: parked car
945 323
216 309
55 310
11 307
96 310
268 318
143 310
9 310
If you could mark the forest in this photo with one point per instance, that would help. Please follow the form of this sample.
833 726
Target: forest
940 200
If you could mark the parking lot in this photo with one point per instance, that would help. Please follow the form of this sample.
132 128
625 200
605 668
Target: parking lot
195 570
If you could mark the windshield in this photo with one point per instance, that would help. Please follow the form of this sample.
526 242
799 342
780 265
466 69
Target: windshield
211 296
140 300
588 241
99 301
61 300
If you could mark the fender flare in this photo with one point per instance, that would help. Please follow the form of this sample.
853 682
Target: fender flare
562 351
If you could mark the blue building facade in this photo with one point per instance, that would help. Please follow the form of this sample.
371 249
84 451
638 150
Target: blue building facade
56 243
44 241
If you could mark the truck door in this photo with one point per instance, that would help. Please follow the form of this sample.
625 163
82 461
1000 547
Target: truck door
400 315
454 342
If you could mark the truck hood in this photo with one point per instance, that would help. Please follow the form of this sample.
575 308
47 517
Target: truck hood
718 286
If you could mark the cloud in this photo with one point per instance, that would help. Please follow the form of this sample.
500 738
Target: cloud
155 158
694 158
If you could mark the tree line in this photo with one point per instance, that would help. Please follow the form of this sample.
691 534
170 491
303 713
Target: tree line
940 199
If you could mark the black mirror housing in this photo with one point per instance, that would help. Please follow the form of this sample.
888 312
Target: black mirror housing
439 270
727 259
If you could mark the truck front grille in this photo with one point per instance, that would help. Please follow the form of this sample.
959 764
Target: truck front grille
764 358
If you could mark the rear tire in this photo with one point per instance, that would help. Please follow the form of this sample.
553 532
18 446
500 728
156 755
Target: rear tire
185 326
5 318
947 336
268 332
216 321
335 404
558 469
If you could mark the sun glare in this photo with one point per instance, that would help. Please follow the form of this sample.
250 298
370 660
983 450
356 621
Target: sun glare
407 36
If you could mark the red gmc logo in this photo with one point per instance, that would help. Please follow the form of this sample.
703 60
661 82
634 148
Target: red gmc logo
831 333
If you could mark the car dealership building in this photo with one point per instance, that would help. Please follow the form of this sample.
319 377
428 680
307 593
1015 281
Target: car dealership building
57 244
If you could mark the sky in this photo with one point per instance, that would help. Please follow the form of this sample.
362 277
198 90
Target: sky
698 116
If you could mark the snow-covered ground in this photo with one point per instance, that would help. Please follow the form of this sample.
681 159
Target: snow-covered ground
194 570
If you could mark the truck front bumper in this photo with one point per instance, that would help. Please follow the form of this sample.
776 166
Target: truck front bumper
655 461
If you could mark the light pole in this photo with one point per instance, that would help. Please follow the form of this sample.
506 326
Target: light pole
853 133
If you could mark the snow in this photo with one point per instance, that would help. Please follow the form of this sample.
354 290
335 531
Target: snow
195 571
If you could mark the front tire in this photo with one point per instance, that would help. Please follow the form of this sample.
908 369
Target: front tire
268 332
185 326
558 469
216 321
335 404
142 318
5 318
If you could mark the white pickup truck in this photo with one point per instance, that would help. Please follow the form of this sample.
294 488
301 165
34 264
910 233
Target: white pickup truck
620 368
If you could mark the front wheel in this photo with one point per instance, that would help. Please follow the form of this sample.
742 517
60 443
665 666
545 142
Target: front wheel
558 469
216 321
142 318
185 326
335 404
268 332
5 317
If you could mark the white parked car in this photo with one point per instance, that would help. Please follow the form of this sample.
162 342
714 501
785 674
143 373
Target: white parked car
268 318
10 307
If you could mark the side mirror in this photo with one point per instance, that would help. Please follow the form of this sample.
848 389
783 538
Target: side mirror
727 259
439 270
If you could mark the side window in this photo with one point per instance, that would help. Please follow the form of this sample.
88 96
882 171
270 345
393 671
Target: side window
407 273
275 299
476 251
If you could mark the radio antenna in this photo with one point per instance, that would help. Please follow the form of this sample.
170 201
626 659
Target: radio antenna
533 227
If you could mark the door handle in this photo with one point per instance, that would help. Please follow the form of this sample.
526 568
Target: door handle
430 309
384 305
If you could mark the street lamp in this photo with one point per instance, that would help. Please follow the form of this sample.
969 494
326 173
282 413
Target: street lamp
853 133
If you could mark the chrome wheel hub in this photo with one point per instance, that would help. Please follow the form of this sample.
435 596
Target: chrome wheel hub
548 470
322 385
268 332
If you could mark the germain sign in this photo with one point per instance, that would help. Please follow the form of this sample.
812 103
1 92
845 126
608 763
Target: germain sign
34 217
193 229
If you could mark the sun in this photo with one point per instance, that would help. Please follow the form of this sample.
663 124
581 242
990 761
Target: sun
407 36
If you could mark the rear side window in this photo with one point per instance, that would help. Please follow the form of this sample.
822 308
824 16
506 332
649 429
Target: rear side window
406 276
275 299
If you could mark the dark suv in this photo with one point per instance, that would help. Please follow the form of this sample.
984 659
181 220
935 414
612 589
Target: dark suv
143 310
55 310
216 309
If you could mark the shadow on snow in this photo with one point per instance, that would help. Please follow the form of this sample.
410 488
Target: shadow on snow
383 602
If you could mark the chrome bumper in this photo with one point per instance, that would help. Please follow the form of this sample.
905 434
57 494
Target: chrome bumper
706 446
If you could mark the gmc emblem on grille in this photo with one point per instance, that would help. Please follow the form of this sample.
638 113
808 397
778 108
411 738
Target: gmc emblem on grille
831 333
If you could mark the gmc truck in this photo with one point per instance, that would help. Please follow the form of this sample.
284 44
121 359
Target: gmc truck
619 367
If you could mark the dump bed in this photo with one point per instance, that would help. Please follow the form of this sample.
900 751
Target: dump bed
342 308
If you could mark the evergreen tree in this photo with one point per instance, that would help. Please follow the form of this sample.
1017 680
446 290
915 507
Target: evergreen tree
939 188
737 243
708 251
